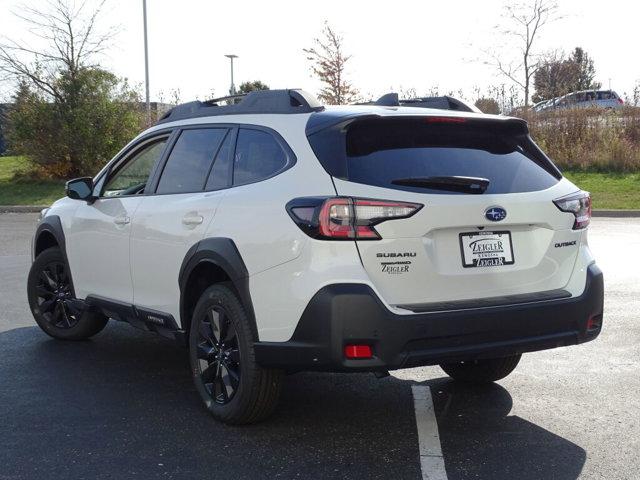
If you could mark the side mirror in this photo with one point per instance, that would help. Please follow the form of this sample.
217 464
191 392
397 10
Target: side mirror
80 189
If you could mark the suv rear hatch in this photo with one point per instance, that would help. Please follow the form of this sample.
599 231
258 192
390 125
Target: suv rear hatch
488 232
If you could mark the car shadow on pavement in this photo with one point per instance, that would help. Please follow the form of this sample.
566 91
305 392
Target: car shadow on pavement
123 405
481 440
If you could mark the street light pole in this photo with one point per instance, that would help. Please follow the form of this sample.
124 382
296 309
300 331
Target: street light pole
146 60
232 90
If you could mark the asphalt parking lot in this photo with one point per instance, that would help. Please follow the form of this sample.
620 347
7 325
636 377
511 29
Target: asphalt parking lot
122 405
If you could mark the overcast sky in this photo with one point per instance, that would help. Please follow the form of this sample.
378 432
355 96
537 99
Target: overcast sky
399 43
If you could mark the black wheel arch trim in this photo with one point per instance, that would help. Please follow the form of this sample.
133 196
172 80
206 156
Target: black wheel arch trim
52 225
223 253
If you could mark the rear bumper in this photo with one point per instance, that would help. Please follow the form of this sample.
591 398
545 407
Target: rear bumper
342 314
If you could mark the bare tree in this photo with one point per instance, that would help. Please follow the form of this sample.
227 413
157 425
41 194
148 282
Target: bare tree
409 92
526 22
328 62
72 42
69 114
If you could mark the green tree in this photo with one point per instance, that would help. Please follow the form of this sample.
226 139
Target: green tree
70 116
555 76
74 136
558 75
586 71
247 87
328 62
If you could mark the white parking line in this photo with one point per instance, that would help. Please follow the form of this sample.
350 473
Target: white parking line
431 459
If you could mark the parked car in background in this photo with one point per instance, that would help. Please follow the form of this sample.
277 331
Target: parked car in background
607 99
543 105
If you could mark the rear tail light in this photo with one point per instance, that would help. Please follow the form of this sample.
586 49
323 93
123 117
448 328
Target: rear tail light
580 205
620 101
346 218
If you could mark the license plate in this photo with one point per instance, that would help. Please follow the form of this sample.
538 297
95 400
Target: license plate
486 249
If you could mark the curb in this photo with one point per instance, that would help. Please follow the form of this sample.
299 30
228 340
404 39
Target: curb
21 208
595 213
616 213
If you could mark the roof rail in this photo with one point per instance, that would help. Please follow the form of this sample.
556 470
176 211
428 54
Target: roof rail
259 101
215 101
442 103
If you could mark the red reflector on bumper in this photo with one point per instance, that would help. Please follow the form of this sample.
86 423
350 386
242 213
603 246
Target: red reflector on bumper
358 351
594 322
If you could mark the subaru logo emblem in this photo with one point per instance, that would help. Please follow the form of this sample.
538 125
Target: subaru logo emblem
495 214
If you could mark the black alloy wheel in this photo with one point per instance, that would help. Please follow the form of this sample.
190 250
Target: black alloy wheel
52 299
234 388
55 298
218 355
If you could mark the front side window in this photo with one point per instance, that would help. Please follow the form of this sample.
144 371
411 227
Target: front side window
131 177
190 160
258 156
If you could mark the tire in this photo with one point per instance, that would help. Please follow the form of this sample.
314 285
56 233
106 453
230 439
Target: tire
52 300
481 371
232 386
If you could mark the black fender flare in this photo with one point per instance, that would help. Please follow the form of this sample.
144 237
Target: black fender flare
52 225
223 253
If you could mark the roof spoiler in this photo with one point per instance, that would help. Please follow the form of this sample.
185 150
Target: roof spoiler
259 101
444 102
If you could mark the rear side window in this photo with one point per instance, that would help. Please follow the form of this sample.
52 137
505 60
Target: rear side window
188 164
606 95
220 175
381 151
258 156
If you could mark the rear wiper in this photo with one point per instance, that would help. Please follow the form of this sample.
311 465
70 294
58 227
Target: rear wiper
452 183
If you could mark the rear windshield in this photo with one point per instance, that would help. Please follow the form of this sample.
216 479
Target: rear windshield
379 151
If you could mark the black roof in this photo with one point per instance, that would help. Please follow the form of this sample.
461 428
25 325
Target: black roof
295 100
259 101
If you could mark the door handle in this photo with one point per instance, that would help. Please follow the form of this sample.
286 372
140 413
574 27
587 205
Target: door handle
191 219
123 220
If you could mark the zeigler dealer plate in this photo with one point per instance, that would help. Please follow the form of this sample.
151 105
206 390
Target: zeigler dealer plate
486 249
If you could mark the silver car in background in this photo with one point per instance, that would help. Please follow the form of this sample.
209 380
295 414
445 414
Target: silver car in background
607 99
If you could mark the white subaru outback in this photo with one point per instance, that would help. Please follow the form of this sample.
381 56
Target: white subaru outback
277 235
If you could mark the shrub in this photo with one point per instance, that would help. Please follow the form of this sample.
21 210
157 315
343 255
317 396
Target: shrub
589 139
488 105
76 133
